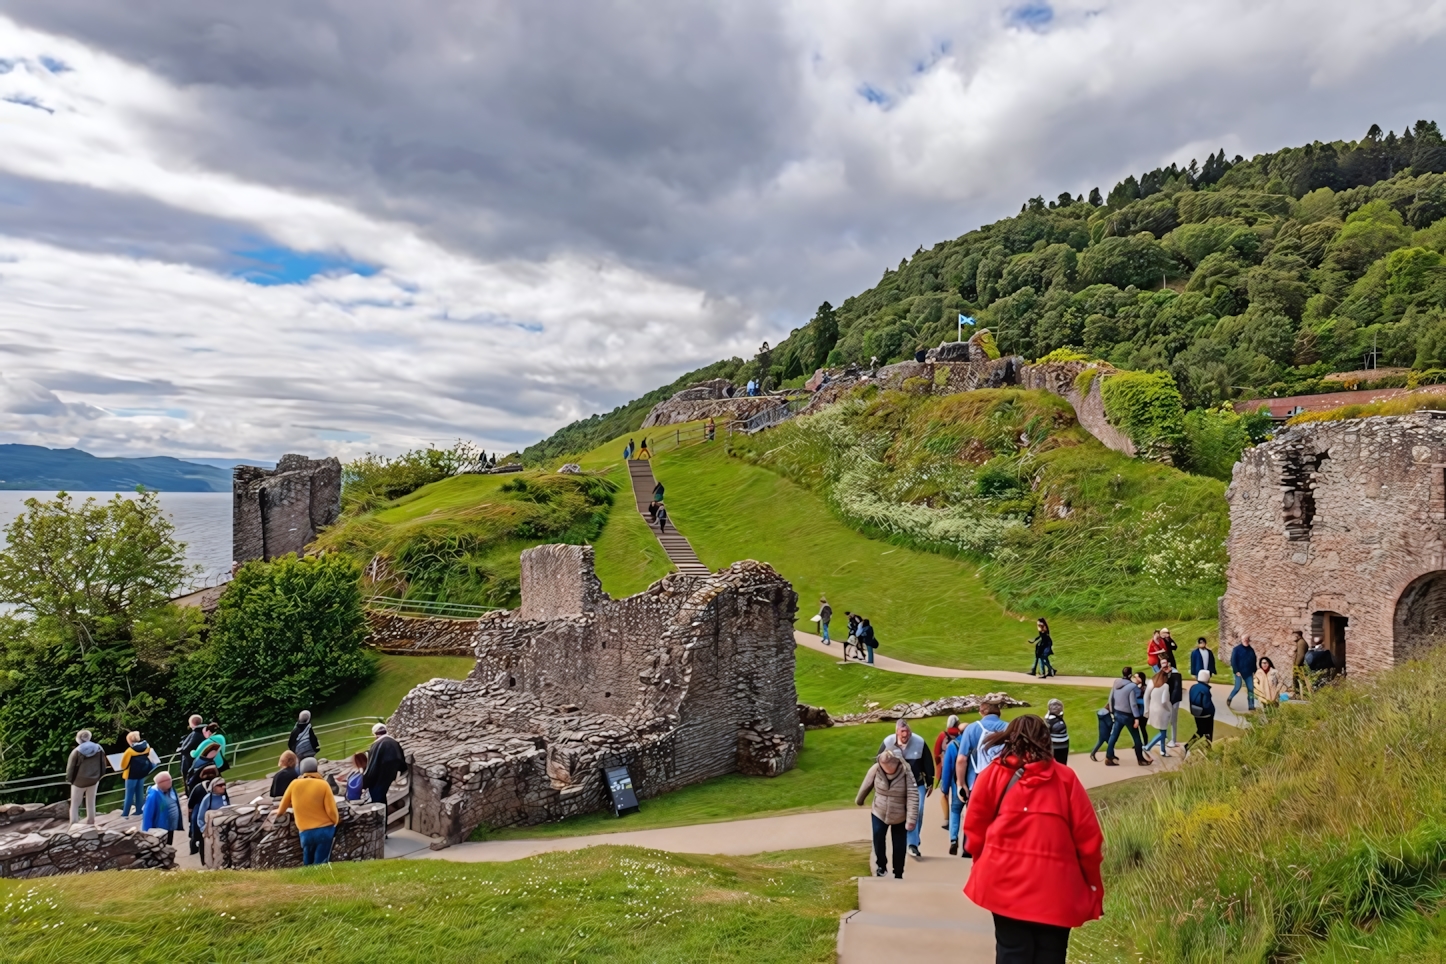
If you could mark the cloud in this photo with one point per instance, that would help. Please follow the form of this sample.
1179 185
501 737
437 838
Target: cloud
485 219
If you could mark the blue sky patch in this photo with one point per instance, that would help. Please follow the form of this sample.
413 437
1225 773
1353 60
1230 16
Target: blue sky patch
274 265
1034 16
55 66
25 100
148 412
873 95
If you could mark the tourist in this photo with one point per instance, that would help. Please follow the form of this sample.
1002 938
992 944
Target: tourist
825 613
1155 650
895 811
1202 707
1318 663
1127 706
1268 684
1176 682
974 755
1037 848
385 762
1171 647
1300 647
303 741
1105 719
951 791
1243 665
162 810
628 450
193 739
194 796
1201 658
653 513
852 640
1043 650
710 430
945 737
658 491
282 778
214 737
83 770
135 766
214 799
1157 711
1058 731
916 754
316 815
645 452
210 757
867 638
662 518
354 788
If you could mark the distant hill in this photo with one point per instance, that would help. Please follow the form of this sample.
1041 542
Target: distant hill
37 467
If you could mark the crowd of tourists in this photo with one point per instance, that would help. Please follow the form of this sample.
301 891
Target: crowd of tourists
298 786
860 641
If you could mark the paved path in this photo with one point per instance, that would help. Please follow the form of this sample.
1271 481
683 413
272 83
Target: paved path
1223 713
679 551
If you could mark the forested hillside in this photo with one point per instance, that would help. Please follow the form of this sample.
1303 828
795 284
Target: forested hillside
1238 277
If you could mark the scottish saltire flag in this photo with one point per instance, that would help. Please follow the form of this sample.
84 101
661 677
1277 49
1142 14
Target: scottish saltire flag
965 319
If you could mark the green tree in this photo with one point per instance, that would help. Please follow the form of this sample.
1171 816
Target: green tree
287 635
1137 260
92 633
825 334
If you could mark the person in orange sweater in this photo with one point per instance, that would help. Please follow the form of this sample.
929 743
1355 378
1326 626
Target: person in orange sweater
316 816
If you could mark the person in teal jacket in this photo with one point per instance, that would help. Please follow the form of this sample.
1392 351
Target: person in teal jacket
214 737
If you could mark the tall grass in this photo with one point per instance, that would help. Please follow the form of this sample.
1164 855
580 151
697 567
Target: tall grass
1308 836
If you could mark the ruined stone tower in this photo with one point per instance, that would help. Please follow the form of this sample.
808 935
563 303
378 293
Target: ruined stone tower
281 510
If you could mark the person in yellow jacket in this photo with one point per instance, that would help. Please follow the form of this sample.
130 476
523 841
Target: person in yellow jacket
316 816
135 766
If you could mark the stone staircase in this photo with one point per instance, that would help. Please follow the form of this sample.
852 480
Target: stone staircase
679 551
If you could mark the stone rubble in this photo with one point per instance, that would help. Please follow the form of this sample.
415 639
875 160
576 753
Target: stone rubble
816 717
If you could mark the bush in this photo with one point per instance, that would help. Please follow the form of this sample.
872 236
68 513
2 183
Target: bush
1215 437
287 636
373 480
1147 405
1066 354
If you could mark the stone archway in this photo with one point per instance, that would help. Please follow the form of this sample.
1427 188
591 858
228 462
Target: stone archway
1420 620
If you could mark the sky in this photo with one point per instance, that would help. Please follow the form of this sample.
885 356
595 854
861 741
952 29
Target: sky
235 230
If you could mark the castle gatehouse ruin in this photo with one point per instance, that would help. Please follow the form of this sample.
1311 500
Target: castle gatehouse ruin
690 679
1336 530
281 510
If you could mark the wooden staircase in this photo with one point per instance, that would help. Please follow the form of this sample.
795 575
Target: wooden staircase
679 551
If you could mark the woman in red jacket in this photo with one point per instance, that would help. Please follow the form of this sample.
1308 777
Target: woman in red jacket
1037 847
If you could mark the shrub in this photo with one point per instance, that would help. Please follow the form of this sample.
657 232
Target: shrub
374 480
1066 354
1215 437
287 635
1147 405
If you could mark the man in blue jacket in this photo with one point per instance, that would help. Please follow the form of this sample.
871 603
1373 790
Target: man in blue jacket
1201 658
162 810
970 759
1243 665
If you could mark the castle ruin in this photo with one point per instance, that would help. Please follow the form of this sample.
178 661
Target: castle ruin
282 510
690 679
1336 530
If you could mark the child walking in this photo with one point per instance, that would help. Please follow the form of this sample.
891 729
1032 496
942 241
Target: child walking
1058 732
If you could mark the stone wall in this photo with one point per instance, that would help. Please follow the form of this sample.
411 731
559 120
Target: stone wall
281 510
688 680
83 849
32 817
1059 378
1343 518
421 635
675 411
558 581
254 837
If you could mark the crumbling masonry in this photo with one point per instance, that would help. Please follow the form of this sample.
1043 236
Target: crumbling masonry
281 510
690 679
1336 530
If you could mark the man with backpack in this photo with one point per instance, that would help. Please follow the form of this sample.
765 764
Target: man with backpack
1202 707
970 760
385 762
867 639
135 766
193 740
303 740
916 754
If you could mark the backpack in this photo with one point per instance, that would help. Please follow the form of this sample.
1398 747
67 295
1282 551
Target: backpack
1197 708
305 744
140 767
354 787
981 757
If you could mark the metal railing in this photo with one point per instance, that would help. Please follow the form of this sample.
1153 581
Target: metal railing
249 759
784 410
428 607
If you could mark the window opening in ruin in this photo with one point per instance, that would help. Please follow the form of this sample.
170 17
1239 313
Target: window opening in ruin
607 695
1297 480
1420 620
1331 628
512 681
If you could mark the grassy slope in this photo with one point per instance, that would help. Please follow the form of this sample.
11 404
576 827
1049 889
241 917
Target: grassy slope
396 675
602 904
629 558
925 608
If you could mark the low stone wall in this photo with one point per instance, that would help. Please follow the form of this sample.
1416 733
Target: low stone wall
34 817
421 635
256 838
51 852
1059 378
675 411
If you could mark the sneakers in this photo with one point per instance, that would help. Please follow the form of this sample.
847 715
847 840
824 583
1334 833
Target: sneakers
881 872
943 826
953 848
1093 758
914 852
1111 762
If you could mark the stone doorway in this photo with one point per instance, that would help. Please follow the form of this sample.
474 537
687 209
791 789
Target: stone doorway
1331 628
1420 616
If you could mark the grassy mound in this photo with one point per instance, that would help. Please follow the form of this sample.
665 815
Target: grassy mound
927 607
600 904
1062 525
1316 836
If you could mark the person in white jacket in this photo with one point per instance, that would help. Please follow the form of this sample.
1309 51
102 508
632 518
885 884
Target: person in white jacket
1157 711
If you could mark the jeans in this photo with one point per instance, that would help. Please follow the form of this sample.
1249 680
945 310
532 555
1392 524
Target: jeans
916 834
316 845
895 831
88 795
1174 722
824 626
1249 683
1025 942
135 794
871 653
956 814
1124 721
1159 740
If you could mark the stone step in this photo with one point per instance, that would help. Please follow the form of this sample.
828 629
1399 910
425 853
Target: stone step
912 898
867 937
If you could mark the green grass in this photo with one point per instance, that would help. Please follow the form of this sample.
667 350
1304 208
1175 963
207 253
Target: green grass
926 608
396 675
601 904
